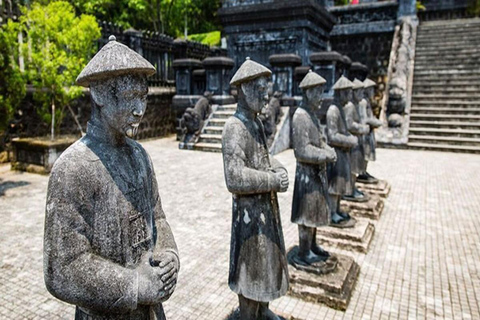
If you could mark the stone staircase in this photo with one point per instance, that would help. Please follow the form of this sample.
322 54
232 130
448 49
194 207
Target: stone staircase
445 113
210 138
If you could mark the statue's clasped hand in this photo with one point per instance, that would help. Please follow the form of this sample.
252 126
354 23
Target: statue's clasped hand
281 179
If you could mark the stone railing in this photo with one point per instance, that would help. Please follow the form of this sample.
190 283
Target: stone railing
395 113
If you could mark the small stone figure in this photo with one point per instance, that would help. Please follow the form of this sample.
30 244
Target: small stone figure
271 114
108 248
338 137
193 118
358 129
367 116
258 264
310 207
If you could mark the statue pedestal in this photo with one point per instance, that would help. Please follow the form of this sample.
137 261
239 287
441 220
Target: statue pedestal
371 209
357 238
382 188
333 289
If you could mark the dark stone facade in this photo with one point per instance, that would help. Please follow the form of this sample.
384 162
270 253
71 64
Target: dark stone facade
444 9
309 25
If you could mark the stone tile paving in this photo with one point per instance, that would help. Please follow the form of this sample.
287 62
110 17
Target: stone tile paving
423 263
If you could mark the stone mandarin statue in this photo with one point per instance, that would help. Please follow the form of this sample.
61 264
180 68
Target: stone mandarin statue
108 248
358 129
338 137
368 118
258 265
310 207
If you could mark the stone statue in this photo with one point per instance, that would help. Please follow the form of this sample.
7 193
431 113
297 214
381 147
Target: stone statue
368 118
258 264
310 207
271 114
193 118
358 129
108 248
338 137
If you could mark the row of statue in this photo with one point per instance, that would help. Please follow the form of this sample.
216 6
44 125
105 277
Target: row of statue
108 248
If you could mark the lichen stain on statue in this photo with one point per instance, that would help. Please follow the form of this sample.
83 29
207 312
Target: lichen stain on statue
194 118
108 248
258 265
310 206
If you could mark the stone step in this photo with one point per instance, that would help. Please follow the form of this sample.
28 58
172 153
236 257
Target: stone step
423 36
445 124
444 90
443 147
443 103
437 25
444 117
227 107
444 140
458 64
444 78
464 74
223 114
213 130
447 46
433 68
210 138
448 57
217 122
445 132
210 147
435 52
445 111
447 97
442 83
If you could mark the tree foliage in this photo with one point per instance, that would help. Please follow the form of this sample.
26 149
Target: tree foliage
165 16
12 82
58 46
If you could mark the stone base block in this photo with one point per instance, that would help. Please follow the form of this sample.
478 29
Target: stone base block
235 315
372 209
382 188
357 238
333 289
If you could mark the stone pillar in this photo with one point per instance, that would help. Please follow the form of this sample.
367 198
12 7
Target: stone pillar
344 66
133 39
199 81
358 71
328 64
407 8
218 71
185 96
283 68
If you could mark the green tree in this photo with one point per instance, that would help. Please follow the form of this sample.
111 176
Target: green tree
58 45
12 82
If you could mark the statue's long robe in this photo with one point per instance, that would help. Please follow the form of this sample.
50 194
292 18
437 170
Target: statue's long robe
310 195
339 173
103 214
258 264
355 127
368 118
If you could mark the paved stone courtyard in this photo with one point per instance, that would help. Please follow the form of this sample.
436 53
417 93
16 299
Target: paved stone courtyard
423 263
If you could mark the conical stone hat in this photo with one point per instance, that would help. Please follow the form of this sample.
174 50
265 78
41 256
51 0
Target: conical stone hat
342 84
369 83
357 84
249 70
114 59
312 79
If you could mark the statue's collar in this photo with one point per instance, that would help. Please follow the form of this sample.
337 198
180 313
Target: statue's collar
100 134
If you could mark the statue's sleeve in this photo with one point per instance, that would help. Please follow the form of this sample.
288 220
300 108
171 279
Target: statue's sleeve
304 150
335 138
165 242
371 119
73 272
354 127
239 178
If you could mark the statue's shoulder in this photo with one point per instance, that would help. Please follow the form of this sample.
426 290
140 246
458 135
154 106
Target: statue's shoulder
333 110
300 115
235 124
74 161
363 102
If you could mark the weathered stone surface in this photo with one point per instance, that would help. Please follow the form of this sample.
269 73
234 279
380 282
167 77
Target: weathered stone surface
357 238
333 289
395 120
382 188
372 209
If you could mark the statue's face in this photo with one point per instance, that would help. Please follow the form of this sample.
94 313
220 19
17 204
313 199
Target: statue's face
122 101
255 92
358 94
345 96
314 96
